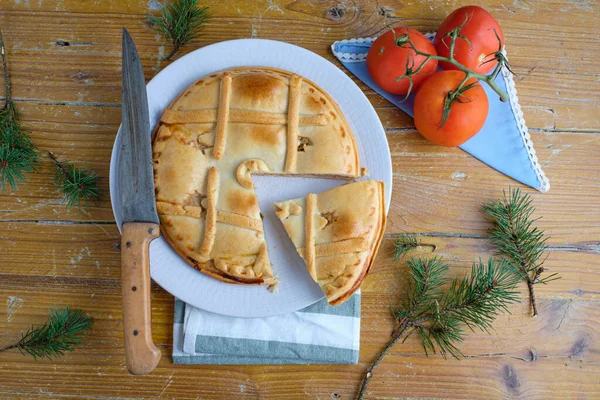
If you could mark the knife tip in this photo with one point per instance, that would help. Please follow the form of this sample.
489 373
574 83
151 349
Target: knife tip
126 35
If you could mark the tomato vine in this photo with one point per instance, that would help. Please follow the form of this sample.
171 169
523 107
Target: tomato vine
456 95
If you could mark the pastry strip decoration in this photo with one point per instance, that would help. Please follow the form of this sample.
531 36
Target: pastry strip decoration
246 168
210 229
309 254
171 209
293 122
236 115
222 116
243 221
224 217
261 261
352 245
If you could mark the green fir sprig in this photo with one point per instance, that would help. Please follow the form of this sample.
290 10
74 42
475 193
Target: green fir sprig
518 239
181 22
78 185
64 329
18 154
438 309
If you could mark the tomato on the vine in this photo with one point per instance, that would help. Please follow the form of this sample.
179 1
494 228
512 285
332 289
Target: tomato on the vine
391 57
468 111
481 29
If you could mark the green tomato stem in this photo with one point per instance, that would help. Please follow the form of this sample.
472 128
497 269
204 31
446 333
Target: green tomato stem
489 79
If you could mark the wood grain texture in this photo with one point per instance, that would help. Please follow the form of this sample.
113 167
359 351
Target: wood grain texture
69 96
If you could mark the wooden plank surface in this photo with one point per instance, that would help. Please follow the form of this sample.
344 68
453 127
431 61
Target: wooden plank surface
70 100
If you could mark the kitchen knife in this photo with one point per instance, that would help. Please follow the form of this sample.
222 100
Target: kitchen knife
140 220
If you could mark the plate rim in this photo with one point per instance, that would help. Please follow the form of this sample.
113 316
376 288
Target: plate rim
232 43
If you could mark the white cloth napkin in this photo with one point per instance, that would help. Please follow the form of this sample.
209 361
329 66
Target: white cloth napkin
318 334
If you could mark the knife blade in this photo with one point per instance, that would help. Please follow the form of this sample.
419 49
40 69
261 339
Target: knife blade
140 220
137 181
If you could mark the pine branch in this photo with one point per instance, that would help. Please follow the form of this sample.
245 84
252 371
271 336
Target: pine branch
64 329
78 185
18 153
518 240
181 22
395 338
438 316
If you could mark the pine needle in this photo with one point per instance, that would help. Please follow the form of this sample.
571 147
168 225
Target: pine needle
78 185
518 240
181 22
403 245
64 329
427 276
407 243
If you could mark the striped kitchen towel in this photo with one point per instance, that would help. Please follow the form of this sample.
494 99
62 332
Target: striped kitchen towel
317 334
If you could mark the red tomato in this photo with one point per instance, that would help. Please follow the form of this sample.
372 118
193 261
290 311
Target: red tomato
388 59
479 29
466 118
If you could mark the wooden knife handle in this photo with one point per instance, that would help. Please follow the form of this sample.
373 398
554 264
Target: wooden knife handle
141 354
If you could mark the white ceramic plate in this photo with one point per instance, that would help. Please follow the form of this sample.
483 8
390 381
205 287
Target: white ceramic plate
296 288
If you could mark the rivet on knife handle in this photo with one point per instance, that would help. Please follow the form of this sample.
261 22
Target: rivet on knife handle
142 356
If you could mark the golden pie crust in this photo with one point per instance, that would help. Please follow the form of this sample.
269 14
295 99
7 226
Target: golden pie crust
218 132
338 233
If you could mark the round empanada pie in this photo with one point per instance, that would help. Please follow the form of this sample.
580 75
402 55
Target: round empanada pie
217 133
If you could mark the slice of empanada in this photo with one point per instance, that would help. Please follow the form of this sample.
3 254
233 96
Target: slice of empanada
337 232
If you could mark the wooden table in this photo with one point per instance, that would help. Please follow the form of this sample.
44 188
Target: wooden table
65 62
